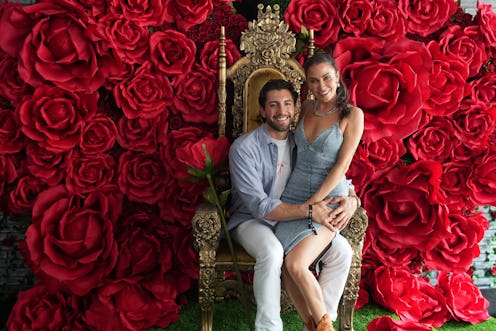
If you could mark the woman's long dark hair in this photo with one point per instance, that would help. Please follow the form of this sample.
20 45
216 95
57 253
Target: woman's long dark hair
343 96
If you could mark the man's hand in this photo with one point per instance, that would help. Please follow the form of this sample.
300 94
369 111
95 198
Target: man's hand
321 213
342 214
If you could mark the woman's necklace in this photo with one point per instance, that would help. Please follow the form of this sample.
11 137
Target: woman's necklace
316 110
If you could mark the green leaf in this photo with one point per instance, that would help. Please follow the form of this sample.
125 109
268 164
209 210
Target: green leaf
209 164
209 195
196 172
223 197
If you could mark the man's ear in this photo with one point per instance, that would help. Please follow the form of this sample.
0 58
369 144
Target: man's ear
261 110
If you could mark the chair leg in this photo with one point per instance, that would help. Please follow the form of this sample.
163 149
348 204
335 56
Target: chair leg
206 298
350 295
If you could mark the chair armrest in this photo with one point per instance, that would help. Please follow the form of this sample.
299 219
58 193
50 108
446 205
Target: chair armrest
206 228
355 230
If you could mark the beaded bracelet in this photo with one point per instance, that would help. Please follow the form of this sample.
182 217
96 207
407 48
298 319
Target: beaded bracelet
310 223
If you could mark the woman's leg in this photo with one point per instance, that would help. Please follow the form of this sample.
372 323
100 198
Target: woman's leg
296 298
297 262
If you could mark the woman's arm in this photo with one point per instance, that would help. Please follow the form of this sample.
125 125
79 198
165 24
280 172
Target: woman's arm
352 133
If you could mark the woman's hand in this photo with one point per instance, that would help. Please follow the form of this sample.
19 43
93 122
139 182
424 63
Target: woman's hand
342 214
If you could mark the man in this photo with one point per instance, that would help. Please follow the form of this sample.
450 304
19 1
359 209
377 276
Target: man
260 164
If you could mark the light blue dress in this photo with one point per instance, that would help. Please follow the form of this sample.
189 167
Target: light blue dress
313 162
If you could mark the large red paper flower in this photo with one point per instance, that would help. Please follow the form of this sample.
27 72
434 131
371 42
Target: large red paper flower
54 117
172 52
141 177
458 248
424 17
11 138
12 87
70 243
146 94
40 309
187 13
319 15
405 205
391 91
464 299
387 323
195 96
146 13
59 50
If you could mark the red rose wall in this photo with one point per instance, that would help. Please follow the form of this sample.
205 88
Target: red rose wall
103 103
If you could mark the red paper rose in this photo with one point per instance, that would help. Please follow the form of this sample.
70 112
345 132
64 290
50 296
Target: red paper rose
146 94
405 205
434 141
389 254
464 299
54 117
458 249
474 123
98 135
319 15
172 52
483 89
25 193
385 152
195 96
59 50
142 247
16 25
361 169
40 309
466 43
11 138
8 172
45 164
487 22
392 92
355 15
12 87
180 201
447 82
482 179
424 17
187 13
394 288
387 323
454 186
141 177
386 22
70 243
434 311
209 56
128 39
90 173
145 13
125 305
140 134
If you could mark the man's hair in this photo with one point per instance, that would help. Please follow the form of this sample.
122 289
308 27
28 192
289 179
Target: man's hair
276 84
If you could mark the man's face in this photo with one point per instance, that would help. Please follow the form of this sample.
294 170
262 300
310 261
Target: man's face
278 112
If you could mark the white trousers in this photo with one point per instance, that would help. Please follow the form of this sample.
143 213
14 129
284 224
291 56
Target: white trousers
259 240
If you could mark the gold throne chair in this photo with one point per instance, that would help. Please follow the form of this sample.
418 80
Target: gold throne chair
268 46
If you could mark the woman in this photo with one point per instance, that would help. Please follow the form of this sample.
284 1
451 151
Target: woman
326 136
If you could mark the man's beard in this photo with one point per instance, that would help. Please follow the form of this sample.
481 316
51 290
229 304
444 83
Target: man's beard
278 127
